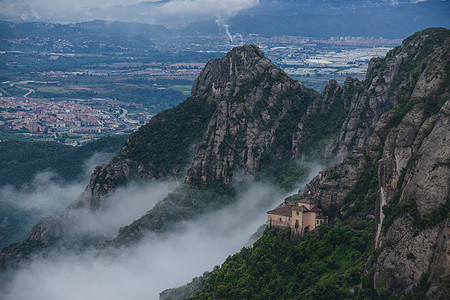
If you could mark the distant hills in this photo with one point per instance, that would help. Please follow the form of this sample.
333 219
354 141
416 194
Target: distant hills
320 19
335 18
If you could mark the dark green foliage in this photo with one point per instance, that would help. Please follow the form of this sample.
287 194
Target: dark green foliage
321 126
325 264
363 196
396 209
186 291
284 172
186 202
19 223
276 162
420 290
288 125
20 161
163 144
432 105
318 129
335 175
402 109
411 256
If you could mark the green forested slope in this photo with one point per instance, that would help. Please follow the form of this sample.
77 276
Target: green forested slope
19 161
325 265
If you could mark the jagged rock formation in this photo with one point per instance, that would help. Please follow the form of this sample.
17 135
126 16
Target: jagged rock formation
392 138
398 171
42 236
244 115
252 97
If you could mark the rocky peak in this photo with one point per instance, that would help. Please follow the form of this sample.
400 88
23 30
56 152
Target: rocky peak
253 96
217 78
397 173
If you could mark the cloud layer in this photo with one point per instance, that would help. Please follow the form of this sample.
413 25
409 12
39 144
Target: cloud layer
174 11
154 265
47 194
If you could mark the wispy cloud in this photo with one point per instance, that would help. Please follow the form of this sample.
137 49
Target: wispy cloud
155 264
47 194
122 10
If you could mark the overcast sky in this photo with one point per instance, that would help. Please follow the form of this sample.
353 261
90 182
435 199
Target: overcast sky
151 11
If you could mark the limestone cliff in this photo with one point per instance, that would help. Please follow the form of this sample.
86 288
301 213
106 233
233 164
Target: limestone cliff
252 96
390 134
243 112
397 172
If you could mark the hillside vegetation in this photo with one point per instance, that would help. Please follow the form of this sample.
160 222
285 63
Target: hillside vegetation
20 161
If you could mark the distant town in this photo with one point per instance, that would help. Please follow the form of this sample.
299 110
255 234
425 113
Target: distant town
82 119
72 90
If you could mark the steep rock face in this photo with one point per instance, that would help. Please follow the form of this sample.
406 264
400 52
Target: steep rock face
242 107
324 117
43 234
416 242
252 96
220 77
398 172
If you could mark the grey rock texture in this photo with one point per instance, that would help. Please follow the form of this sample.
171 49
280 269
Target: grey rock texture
393 126
252 97
393 150
42 235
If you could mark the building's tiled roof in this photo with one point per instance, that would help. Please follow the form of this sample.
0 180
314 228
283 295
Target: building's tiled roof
300 208
315 209
287 210
307 200
282 211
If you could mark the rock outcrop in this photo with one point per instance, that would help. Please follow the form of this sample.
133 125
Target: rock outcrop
398 171
390 134
252 97
242 108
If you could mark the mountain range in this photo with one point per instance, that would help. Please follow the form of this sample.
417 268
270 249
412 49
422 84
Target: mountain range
319 19
386 141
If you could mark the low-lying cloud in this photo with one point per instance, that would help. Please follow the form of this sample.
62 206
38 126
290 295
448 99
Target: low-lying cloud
47 193
155 264
123 207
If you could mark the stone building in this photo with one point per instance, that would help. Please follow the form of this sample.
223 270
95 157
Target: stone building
301 216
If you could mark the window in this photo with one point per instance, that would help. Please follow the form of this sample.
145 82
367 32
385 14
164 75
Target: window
297 213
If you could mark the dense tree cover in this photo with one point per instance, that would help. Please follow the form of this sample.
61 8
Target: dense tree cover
184 203
16 222
155 99
20 161
327 264
185 124
318 129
